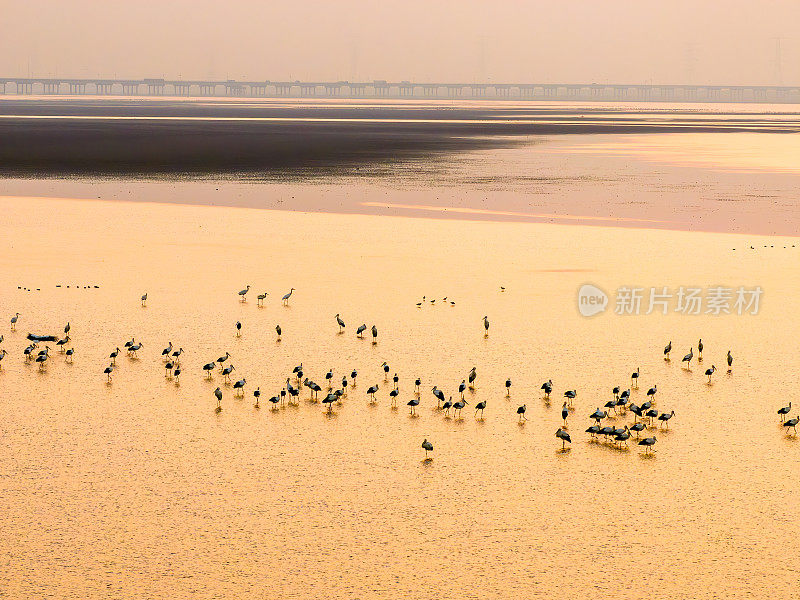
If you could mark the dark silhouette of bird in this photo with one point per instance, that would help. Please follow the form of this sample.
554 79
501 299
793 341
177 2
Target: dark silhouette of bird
563 436
413 403
547 386
667 350
521 413
427 446
784 411
665 417
480 406
700 350
792 423
635 378
730 361
508 388
648 444
688 358
361 329
371 391
564 413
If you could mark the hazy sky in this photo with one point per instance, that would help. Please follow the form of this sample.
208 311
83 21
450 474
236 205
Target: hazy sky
636 41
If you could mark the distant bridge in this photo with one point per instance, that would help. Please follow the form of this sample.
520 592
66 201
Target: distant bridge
399 89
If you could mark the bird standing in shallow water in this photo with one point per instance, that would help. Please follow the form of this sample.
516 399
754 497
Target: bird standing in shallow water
260 298
427 446
361 329
238 328
144 299
648 444
14 320
447 405
508 388
665 417
278 331
564 413
218 394
340 322
413 403
480 406
710 372
286 297
471 378
521 412
108 371
243 294
730 361
793 424
784 411
688 358
486 326
635 378
374 334
700 350
667 350
563 436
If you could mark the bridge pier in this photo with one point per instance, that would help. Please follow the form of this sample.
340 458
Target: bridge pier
180 89
258 90
454 91
25 88
103 88
77 89
502 91
357 90
234 89
207 89
333 90
130 88
51 87
308 90
155 89
406 90
477 91
381 91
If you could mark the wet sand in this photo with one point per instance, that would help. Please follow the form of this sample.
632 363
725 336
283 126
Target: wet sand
139 489
62 137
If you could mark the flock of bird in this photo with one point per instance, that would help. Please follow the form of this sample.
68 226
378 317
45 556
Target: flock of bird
645 416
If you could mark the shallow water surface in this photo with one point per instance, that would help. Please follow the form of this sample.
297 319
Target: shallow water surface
138 489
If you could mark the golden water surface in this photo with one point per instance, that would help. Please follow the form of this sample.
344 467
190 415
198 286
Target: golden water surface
139 489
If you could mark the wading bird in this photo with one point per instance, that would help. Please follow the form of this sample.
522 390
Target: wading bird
14 320
66 329
570 395
257 395
353 376
486 326
177 374
69 354
637 427
413 403
393 395
238 328
635 378
209 368
597 415
648 444
521 413
438 394
260 298
243 294
222 359
461 387
471 378
226 372
427 446
371 391
218 395
563 436
784 411
417 383
730 361
43 356
340 322
688 358
700 350
793 424
374 334
239 385
165 352
361 329
565 413
665 417
108 371
667 350
508 388
458 406
134 349
547 386
710 372
61 343
286 297
480 406
144 299
385 371
447 405
278 331
651 393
